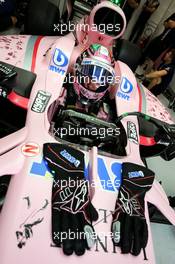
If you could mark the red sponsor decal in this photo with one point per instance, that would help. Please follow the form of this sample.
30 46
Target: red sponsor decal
30 149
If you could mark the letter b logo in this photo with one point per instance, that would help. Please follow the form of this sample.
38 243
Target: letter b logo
126 86
59 58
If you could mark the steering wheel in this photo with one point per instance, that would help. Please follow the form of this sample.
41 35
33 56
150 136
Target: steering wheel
84 129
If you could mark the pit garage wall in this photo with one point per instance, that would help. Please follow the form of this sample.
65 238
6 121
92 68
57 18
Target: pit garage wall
154 25
59 3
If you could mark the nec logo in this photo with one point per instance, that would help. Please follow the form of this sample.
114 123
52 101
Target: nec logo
60 61
126 88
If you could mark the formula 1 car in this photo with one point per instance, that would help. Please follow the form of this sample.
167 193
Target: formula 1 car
33 70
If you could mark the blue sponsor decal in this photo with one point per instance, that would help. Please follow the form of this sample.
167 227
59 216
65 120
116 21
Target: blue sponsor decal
56 69
60 61
126 89
39 169
108 181
70 158
59 58
117 170
135 174
126 86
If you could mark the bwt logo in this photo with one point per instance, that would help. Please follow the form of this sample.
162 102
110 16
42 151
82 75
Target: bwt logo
60 61
126 88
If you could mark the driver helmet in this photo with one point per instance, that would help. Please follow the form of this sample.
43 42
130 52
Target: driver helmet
94 74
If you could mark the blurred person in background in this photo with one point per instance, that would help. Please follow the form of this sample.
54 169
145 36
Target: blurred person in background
7 10
12 13
129 8
148 9
161 43
161 78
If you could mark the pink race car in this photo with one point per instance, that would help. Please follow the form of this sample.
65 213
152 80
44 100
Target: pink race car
103 216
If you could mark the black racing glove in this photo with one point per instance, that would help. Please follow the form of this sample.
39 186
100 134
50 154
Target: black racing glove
72 211
129 227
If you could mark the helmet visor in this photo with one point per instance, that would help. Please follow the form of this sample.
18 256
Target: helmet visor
99 73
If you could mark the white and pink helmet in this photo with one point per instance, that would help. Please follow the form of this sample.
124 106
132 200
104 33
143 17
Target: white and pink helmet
94 67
